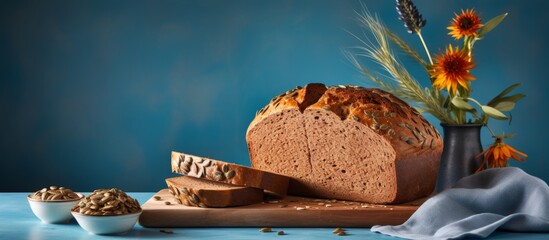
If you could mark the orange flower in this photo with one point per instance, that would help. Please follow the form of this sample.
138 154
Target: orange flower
465 24
452 68
499 154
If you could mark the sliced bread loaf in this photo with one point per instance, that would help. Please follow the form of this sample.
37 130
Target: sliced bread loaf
348 143
205 193
219 171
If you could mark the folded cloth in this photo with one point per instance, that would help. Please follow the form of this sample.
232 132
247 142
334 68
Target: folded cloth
503 198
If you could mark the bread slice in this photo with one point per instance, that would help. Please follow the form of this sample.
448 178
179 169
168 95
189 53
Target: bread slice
349 143
224 172
205 193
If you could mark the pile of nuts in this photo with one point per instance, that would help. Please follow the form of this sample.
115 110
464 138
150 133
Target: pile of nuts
106 202
54 193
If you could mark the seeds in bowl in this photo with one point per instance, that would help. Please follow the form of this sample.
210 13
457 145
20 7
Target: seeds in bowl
54 193
107 202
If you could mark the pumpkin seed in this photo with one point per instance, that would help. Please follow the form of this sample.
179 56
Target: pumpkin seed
219 176
384 127
410 141
230 174
206 162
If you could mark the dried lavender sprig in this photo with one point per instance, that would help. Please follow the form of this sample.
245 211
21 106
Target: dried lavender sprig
413 21
408 13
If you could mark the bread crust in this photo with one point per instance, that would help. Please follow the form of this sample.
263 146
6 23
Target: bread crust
415 141
215 170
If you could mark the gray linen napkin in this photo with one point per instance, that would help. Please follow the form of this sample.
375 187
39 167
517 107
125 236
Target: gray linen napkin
502 198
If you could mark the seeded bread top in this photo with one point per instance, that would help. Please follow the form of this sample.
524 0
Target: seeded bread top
399 123
224 172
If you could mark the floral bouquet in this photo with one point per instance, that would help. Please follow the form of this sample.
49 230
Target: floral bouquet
448 97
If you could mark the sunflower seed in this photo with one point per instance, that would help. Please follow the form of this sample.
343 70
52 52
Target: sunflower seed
355 118
280 233
266 229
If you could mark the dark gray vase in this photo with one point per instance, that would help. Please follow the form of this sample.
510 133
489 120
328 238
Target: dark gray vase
461 146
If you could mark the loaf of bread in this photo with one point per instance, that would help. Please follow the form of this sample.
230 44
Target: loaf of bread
230 173
346 142
205 193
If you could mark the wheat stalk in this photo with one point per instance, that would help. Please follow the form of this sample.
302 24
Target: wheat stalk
406 86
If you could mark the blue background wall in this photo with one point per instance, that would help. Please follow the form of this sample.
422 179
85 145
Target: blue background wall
97 93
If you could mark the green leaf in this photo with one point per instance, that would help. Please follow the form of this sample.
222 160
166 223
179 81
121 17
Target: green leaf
503 93
490 25
505 106
461 104
513 98
492 112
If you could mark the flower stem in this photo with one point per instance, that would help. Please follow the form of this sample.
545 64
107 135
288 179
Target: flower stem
489 129
425 46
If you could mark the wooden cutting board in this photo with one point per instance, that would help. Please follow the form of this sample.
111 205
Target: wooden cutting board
275 213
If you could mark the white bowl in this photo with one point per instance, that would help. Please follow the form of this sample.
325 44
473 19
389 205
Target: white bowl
107 224
54 211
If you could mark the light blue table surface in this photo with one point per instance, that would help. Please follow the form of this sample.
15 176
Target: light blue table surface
18 222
